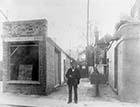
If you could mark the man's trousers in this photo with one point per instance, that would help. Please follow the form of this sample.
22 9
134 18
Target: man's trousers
70 87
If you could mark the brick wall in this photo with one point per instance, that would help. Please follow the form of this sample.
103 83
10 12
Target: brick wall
35 30
50 67
15 31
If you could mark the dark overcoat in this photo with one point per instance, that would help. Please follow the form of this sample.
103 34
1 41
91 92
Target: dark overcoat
73 76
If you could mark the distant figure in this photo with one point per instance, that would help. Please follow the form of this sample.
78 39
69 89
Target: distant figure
100 68
94 76
73 76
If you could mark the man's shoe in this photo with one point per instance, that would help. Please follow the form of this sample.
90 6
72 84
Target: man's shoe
75 102
69 102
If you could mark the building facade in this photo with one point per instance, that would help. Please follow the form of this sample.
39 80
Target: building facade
32 62
124 61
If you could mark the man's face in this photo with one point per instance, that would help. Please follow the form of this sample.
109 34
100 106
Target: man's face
73 66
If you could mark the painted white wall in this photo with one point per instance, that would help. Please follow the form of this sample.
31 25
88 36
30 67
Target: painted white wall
128 63
130 81
110 55
63 57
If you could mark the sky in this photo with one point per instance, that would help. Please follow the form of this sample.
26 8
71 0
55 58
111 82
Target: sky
67 18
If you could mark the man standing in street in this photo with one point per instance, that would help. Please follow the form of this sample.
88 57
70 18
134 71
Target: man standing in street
73 76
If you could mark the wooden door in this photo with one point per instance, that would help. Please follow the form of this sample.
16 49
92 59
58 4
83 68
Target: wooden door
57 68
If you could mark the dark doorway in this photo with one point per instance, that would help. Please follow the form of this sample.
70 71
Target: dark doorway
83 71
57 67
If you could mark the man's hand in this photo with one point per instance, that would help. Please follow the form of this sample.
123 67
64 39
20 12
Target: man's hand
70 76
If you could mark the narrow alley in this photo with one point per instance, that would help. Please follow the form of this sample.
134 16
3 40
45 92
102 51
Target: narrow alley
86 92
48 47
58 98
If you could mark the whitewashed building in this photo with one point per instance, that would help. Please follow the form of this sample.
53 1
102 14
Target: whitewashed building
124 63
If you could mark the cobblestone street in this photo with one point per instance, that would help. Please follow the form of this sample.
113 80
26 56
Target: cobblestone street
58 98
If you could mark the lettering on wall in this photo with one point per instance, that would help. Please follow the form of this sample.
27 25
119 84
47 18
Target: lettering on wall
20 29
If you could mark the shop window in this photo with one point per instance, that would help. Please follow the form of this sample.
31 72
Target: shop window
24 61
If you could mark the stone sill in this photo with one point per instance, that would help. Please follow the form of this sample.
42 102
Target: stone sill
23 82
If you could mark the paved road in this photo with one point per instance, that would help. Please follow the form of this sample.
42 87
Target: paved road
58 98
86 92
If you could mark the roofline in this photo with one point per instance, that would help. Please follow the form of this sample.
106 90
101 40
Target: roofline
60 49
127 24
25 21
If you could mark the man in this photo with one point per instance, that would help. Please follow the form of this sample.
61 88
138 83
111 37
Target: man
73 76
